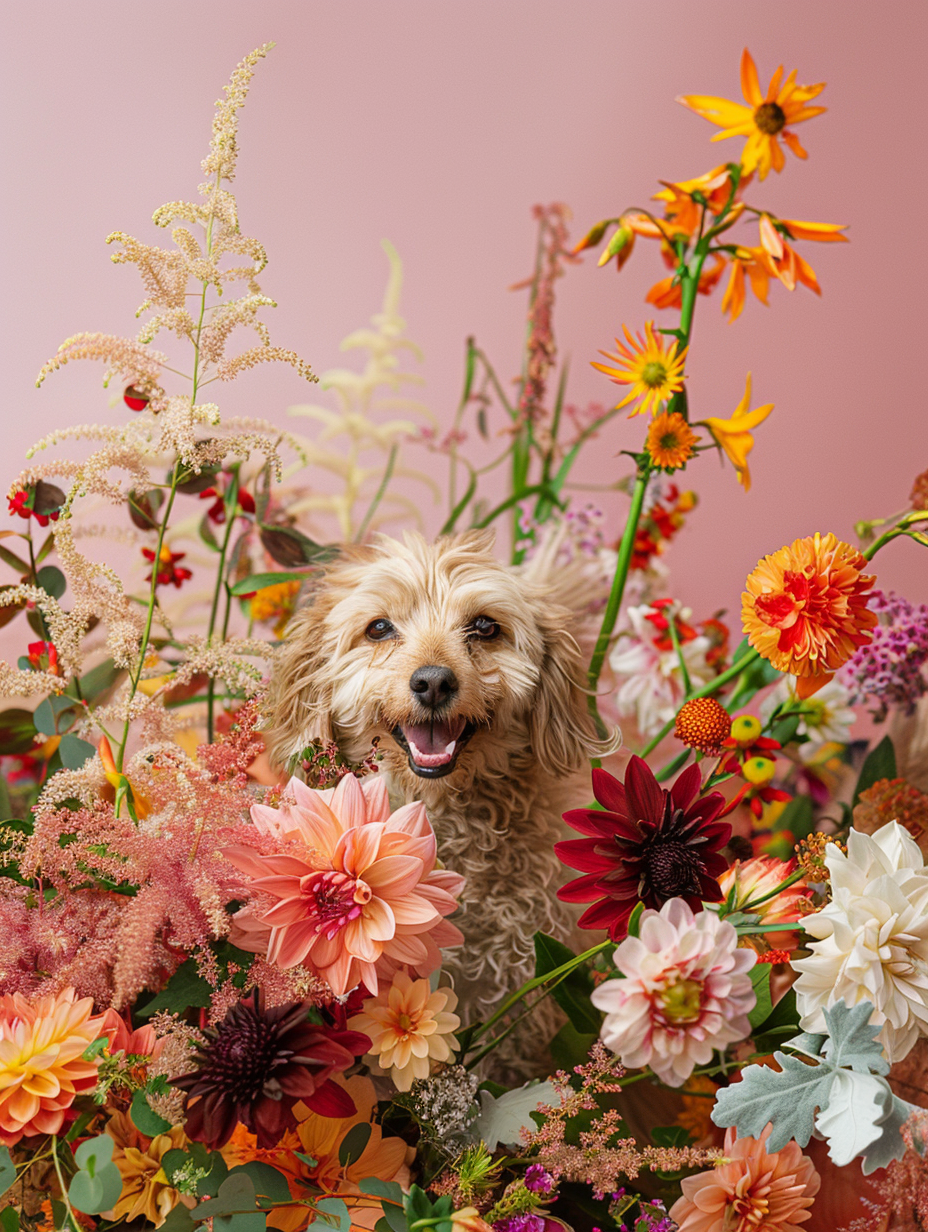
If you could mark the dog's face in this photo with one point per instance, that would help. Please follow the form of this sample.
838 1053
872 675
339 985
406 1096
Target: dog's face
437 649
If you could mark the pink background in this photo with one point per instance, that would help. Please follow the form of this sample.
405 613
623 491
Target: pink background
439 125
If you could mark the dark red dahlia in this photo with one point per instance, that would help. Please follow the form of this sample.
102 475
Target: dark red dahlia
257 1064
647 845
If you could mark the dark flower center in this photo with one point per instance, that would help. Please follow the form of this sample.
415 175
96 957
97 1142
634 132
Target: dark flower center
770 118
243 1058
671 866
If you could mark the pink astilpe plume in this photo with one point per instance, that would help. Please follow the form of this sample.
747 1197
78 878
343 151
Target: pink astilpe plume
357 890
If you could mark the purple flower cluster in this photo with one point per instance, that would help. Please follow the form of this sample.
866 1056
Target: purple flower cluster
538 1180
526 1221
887 674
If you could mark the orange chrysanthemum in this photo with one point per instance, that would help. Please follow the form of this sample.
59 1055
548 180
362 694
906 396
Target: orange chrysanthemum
670 441
764 119
42 1070
654 371
146 1191
805 609
753 1190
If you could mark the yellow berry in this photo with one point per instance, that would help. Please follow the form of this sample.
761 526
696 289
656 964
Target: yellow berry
759 770
745 729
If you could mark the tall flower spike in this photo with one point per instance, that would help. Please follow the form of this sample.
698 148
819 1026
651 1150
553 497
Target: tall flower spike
762 119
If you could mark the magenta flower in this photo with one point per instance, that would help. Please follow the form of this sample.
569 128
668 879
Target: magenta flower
646 845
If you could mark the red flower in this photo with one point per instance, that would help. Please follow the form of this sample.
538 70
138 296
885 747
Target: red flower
42 502
43 656
647 845
217 510
167 570
258 1064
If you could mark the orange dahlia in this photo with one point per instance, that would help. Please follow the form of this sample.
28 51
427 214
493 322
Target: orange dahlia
42 1068
805 609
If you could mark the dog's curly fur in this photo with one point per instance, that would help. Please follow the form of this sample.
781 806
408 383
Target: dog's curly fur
497 812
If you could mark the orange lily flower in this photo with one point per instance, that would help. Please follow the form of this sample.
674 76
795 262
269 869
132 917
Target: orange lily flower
667 294
752 262
784 261
714 186
125 788
734 435
762 119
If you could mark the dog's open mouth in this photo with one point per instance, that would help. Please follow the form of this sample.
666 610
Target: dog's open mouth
432 749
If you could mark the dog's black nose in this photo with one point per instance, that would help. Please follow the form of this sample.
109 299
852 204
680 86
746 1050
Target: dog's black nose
433 686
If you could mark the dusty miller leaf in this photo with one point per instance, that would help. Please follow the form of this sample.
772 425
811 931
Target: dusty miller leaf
502 1119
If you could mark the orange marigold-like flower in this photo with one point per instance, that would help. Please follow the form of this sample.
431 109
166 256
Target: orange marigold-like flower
752 1190
653 371
763 119
670 441
805 609
703 723
410 1027
42 1068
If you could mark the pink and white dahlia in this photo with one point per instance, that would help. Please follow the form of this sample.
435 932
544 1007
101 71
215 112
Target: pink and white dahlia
650 682
686 992
356 886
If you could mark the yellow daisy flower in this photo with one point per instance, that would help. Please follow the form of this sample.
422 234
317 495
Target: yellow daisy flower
670 441
764 119
654 373
734 435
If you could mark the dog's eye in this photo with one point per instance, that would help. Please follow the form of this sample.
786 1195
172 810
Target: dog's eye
483 628
380 630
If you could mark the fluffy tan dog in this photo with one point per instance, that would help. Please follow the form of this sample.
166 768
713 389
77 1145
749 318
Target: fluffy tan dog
468 673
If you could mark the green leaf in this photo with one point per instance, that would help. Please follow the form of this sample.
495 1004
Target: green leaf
334 1214
94 1048
55 715
9 1219
98 1184
290 547
572 993
784 730
756 676
670 1135
760 981
48 498
374 1187
186 989
205 531
17 731
7 1170
74 752
235 1194
258 581
94 1152
880 764
634 920
144 1118
569 1047
191 482
98 680
14 561
52 581
353 1144
143 508
270 1185
178 1219
503 1119
798 817
783 1020
210 1163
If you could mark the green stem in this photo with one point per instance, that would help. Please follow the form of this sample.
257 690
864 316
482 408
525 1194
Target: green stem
64 1189
537 982
611 614
214 610
378 495
706 691
509 502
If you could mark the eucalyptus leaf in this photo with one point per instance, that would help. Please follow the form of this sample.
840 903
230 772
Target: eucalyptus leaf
17 731
94 1153
270 1185
335 1214
55 715
52 581
7 1170
74 752
354 1143
144 1118
9 1219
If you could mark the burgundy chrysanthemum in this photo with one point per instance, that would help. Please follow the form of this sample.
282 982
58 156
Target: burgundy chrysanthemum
258 1064
648 845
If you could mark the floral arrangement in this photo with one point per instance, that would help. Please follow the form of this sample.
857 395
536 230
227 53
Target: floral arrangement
222 993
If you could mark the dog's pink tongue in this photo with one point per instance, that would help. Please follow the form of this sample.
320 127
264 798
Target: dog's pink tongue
433 744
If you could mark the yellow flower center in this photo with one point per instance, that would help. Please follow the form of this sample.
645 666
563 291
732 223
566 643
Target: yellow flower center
746 728
669 441
746 1213
759 770
770 118
653 374
682 1001
404 1022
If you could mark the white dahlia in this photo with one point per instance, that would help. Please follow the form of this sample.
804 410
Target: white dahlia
871 939
686 992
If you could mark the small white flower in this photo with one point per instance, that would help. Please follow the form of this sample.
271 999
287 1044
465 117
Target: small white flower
871 939
827 718
650 680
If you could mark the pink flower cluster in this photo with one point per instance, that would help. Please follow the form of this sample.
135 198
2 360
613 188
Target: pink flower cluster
351 890
887 672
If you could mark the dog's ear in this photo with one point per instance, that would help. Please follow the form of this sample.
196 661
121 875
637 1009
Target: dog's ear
298 705
561 728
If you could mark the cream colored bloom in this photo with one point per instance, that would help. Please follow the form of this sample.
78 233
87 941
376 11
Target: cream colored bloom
410 1027
871 939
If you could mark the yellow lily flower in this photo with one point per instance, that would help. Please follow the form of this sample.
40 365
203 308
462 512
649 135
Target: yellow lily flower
734 435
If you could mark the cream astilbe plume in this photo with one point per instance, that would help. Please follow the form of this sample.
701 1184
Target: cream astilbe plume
362 396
